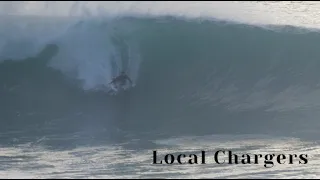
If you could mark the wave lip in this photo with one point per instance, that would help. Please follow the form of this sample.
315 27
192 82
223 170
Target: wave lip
280 13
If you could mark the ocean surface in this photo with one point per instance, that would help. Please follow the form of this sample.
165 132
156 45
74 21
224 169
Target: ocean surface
240 77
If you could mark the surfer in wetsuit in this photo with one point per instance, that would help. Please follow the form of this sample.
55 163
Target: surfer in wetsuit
121 80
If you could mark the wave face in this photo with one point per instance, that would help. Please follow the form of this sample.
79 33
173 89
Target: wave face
191 75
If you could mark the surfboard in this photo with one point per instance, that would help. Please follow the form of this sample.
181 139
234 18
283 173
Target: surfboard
114 90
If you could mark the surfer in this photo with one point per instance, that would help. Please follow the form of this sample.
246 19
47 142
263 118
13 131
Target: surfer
121 80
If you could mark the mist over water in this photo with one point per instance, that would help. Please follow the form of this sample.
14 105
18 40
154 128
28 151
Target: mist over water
241 76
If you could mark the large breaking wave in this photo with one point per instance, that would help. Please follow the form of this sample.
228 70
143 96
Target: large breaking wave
191 75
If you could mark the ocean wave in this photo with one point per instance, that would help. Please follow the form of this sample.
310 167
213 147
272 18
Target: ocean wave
186 70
